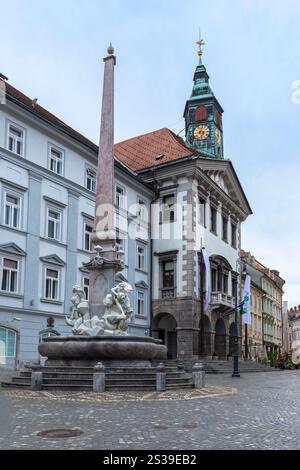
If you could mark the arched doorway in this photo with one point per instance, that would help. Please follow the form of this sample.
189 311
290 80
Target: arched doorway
164 328
220 339
206 350
233 341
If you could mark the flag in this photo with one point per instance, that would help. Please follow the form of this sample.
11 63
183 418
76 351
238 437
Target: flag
239 309
247 300
207 279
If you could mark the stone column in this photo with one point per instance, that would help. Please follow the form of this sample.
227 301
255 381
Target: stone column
185 350
105 264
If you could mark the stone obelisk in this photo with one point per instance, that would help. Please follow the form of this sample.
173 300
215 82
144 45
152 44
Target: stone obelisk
105 263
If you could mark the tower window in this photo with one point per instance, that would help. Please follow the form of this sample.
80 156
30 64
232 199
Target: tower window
201 114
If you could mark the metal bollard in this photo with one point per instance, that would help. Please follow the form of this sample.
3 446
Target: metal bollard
99 378
161 378
198 375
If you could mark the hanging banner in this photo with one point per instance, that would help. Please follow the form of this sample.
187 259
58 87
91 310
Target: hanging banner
207 279
247 300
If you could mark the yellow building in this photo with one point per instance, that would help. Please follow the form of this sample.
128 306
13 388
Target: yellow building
264 335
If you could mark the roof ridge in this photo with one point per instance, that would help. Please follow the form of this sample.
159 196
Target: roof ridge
45 114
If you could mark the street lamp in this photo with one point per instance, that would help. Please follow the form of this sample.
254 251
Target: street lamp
235 354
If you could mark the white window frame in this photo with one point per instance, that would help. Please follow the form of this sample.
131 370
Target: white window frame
6 341
12 194
141 297
56 159
85 232
141 209
120 246
139 256
52 268
93 180
17 270
56 224
16 139
167 209
120 201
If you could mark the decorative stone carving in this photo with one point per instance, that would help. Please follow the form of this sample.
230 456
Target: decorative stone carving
100 262
115 319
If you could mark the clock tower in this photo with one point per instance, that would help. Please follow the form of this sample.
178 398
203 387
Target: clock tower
203 115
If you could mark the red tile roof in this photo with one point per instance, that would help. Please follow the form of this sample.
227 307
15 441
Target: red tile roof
137 153
155 148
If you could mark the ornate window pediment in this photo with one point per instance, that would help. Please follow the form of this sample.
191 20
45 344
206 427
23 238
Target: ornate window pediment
141 285
12 249
53 259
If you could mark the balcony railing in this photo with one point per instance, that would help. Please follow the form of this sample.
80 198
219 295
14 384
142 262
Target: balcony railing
219 298
168 292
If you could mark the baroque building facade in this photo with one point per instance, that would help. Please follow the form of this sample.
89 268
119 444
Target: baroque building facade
265 335
174 197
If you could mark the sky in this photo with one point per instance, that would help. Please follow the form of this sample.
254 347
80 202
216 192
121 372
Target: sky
53 50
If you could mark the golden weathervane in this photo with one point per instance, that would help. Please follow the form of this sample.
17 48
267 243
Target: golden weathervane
200 43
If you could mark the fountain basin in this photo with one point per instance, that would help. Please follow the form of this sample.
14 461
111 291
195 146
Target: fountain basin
115 351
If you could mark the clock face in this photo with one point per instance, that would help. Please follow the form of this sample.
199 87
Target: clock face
218 136
201 132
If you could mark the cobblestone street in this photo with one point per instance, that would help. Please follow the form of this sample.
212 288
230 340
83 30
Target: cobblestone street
257 411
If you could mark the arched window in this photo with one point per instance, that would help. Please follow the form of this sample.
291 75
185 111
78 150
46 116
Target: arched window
8 341
201 113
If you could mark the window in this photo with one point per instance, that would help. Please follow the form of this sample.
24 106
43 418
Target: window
120 198
214 280
12 210
9 275
90 179
202 204
168 274
141 210
225 284
201 113
141 303
8 341
168 212
15 139
120 242
141 257
53 224
86 287
225 228
233 235
51 284
56 160
88 230
213 220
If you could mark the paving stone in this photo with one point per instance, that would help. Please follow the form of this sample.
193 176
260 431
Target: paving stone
257 411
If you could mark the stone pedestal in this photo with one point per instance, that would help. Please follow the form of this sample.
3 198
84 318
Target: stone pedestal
99 378
36 380
198 375
161 378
